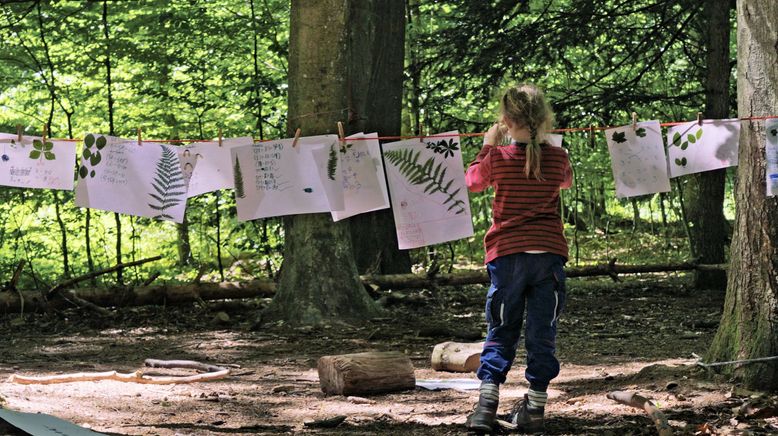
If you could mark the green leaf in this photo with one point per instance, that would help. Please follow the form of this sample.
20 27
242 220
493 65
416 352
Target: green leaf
48 146
101 142
37 144
83 171
89 140
692 139
678 161
95 159
48 155
699 134
774 132
677 139
641 132
35 154
685 145
86 154
92 174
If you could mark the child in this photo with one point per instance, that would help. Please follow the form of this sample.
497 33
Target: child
525 254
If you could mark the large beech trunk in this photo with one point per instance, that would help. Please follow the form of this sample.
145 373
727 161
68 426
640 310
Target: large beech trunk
748 328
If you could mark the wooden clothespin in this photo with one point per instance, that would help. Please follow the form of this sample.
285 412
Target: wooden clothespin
296 137
45 132
19 133
220 136
140 140
699 118
341 133
634 120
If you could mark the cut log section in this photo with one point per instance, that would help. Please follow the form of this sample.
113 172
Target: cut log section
366 373
457 357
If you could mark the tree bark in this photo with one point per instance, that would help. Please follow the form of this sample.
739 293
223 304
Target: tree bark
375 99
706 190
319 280
748 329
183 244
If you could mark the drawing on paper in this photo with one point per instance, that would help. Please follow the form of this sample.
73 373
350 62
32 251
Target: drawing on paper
693 147
168 184
332 161
362 172
638 159
430 174
91 155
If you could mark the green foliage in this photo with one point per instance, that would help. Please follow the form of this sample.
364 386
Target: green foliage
91 155
167 184
430 174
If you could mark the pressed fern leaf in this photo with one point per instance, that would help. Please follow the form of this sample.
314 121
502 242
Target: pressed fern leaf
431 175
238 176
332 163
167 184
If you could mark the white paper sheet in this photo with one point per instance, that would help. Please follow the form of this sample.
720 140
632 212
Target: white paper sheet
638 159
214 168
148 180
692 148
40 424
32 164
276 179
771 154
364 184
555 139
427 186
458 384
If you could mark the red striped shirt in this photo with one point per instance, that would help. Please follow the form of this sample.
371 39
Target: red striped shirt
525 210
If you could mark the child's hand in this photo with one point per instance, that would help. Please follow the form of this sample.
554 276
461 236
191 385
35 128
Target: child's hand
494 136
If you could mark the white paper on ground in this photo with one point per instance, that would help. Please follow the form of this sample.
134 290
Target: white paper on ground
40 424
460 384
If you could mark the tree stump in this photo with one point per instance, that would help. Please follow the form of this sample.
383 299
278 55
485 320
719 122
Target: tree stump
366 373
457 357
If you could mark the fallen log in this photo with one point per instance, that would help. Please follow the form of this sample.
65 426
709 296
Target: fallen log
148 295
173 294
366 373
639 402
456 357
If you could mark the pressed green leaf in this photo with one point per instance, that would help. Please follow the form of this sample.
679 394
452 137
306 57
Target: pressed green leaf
692 139
92 174
677 139
35 154
101 142
86 154
48 146
685 145
89 140
95 159
48 155
699 134
83 171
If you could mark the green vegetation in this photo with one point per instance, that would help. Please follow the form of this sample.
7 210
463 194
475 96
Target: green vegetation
182 69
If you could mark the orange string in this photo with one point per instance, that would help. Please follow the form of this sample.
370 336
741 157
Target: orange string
440 135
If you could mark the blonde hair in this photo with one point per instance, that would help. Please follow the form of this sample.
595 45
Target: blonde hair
526 106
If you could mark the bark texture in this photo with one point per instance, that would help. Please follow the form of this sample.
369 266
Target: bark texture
319 280
706 190
377 45
748 324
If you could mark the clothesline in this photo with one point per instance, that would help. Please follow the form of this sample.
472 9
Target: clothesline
441 135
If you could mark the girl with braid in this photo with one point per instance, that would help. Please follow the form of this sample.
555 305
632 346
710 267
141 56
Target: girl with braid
525 254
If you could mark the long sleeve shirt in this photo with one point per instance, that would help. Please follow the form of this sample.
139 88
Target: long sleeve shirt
525 210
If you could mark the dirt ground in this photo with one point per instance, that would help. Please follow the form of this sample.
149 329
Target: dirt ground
638 335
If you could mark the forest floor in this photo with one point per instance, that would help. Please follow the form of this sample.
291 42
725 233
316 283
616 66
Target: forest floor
637 335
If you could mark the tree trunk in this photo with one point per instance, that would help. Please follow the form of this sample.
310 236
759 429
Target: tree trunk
375 99
319 280
183 244
748 329
706 190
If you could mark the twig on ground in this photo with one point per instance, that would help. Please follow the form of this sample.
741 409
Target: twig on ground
639 402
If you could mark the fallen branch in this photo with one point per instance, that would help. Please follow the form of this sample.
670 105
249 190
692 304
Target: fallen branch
639 402
68 283
214 373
